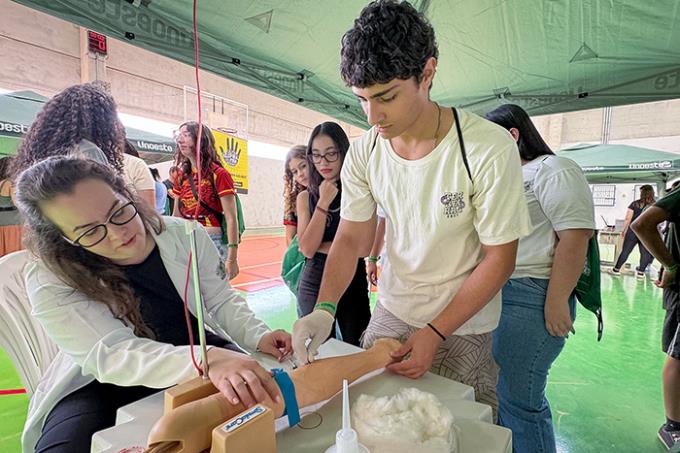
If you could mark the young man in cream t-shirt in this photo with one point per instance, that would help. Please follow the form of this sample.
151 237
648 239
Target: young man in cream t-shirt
455 217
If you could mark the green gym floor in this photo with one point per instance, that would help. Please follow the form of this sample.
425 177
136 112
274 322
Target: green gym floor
605 397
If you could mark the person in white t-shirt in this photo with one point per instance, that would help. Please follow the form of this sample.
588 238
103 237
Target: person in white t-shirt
456 212
538 300
136 175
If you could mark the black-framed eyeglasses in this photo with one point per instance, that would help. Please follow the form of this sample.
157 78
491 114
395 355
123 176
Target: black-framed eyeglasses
97 233
329 157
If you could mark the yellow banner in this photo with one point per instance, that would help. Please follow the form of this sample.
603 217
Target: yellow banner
233 154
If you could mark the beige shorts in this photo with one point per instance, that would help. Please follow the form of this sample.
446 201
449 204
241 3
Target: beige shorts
463 358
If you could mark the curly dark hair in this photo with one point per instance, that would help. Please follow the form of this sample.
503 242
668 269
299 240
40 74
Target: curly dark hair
5 163
291 189
93 275
389 40
85 111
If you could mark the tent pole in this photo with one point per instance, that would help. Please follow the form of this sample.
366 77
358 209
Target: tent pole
661 188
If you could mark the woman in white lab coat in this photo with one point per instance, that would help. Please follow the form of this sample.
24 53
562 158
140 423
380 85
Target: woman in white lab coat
108 289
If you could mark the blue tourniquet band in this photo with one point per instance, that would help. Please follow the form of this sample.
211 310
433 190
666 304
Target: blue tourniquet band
288 391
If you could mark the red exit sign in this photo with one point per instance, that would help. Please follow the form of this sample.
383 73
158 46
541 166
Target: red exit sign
97 42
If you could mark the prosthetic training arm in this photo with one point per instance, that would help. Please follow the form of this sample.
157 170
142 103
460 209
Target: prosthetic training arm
187 428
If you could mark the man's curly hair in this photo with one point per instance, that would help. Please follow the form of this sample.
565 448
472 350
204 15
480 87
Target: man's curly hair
390 40
85 111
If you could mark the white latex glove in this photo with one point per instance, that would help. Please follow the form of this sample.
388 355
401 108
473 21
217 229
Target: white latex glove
316 326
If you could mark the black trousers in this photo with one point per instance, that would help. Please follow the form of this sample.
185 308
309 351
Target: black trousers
354 311
629 243
73 421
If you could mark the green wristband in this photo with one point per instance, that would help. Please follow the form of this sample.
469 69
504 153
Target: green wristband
329 307
673 268
232 246
373 259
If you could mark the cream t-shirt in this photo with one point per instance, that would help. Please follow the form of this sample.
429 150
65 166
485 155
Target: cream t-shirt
439 219
136 174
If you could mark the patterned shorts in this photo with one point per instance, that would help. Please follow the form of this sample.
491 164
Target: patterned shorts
463 358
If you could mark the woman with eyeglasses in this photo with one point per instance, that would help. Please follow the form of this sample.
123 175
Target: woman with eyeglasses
216 191
108 290
318 210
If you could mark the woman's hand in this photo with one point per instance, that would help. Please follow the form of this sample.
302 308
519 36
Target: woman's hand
558 320
327 192
277 344
240 378
232 269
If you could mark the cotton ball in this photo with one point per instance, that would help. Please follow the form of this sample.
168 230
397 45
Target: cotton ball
411 421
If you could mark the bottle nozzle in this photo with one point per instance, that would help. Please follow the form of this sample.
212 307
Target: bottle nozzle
346 439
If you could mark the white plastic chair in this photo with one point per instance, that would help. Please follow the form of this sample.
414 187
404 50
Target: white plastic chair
21 336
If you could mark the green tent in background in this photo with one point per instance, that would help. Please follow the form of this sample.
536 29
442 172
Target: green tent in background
19 109
611 164
547 56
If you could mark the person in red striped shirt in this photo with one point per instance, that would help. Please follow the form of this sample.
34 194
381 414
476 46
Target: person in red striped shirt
216 191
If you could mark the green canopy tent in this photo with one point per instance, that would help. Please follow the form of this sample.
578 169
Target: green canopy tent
548 56
612 164
19 109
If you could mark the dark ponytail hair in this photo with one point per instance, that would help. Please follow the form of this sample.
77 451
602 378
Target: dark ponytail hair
530 142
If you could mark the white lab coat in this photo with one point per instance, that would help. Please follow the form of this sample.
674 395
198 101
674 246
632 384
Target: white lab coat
95 345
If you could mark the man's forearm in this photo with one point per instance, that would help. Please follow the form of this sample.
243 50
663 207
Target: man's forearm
651 239
339 270
379 240
477 290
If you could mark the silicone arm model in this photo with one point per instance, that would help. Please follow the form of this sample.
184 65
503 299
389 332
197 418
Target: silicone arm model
188 428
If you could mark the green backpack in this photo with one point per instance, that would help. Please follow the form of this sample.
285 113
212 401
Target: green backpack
239 217
587 289
292 266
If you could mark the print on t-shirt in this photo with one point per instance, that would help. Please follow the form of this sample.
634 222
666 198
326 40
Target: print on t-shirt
223 184
453 203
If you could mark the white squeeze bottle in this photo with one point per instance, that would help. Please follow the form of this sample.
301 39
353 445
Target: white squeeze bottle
346 440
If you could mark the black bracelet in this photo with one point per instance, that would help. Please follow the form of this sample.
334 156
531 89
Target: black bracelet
436 331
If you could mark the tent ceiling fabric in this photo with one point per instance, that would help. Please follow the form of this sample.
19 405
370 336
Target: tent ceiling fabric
548 56
610 164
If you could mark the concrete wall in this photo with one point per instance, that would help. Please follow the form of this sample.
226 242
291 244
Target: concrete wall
46 55
651 125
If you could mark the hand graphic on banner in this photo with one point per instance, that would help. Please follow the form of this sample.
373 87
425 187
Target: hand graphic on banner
232 154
